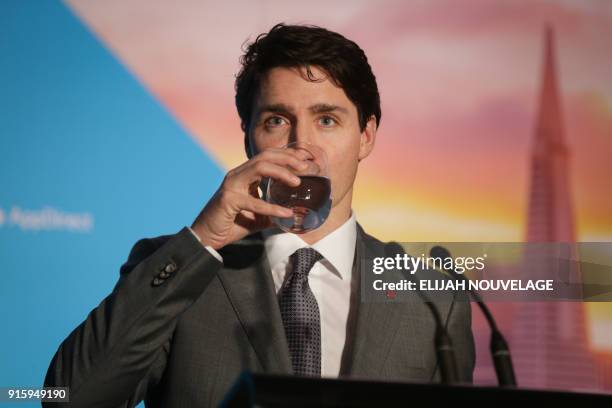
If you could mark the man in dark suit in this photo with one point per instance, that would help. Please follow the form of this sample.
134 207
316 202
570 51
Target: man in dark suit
231 293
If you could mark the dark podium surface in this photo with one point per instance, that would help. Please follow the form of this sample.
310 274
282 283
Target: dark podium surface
259 390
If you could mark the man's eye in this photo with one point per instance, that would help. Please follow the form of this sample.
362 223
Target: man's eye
327 121
274 121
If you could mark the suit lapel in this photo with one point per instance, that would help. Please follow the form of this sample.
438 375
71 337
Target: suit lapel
248 283
377 321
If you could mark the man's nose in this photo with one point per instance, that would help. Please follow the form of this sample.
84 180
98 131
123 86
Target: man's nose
302 132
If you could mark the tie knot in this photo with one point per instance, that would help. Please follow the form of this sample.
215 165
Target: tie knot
304 259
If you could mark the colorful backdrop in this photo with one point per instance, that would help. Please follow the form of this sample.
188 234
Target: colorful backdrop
117 121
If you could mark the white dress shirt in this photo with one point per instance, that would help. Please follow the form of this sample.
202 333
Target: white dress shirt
329 279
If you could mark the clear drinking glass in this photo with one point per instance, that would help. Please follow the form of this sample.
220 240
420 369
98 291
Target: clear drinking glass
311 200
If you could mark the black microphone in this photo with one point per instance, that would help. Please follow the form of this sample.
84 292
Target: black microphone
499 347
444 346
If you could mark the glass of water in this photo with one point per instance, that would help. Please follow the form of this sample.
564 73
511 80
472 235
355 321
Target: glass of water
311 200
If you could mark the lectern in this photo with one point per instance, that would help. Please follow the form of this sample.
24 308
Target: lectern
257 390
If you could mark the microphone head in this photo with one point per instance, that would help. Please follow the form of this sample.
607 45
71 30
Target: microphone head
439 252
392 248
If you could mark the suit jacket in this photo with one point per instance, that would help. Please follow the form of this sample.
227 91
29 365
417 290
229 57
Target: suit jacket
180 326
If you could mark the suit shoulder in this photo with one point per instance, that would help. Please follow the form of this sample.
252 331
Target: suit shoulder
374 244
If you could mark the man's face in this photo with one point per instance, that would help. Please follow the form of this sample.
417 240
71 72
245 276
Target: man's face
290 108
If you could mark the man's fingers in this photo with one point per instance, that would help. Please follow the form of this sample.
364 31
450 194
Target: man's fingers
259 206
263 169
286 157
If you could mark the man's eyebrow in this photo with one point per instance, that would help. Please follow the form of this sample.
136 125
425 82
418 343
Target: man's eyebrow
316 108
325 108
276 108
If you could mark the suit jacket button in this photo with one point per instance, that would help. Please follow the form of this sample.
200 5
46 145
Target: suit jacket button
157 282
170 268
163 274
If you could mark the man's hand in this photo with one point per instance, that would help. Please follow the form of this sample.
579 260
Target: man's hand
236 210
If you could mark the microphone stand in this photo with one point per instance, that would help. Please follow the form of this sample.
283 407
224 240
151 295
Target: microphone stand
445 351
500 351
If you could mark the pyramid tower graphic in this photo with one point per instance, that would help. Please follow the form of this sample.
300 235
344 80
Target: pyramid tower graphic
549 339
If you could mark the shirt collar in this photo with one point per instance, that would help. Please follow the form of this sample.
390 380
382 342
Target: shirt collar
337 247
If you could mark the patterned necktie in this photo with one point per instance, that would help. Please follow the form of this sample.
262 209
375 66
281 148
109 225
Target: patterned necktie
300 313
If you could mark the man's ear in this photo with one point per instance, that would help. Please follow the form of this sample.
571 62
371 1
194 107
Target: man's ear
368 138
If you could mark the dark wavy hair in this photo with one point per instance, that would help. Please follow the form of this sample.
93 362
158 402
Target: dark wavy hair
302 46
